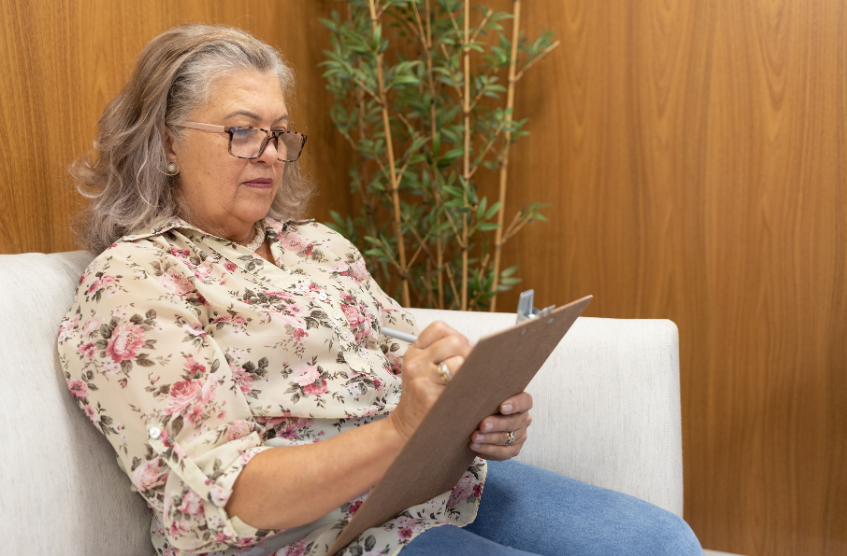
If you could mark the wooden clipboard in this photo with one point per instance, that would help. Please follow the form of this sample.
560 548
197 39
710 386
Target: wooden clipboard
438 454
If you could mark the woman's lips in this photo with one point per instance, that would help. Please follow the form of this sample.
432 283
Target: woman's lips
260 183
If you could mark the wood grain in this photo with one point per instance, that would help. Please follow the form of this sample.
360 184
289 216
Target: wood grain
695 154
65 59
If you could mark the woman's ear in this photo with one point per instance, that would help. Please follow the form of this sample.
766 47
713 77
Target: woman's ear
169 139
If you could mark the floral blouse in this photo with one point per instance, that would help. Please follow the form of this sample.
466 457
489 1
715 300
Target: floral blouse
190 353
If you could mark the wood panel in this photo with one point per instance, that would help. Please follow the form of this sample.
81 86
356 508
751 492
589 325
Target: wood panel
695 155
65 59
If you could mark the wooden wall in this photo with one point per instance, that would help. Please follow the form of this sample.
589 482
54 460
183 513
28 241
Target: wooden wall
695 153
65 59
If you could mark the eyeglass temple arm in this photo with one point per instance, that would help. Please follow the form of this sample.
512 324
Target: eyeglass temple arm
204 127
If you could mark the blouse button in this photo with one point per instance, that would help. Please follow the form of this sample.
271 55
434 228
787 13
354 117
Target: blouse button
155 433
322 296
346 335
337 315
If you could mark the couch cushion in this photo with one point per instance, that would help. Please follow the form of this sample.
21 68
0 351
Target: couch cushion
62 491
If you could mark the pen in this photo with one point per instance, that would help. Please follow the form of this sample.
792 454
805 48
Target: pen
399 335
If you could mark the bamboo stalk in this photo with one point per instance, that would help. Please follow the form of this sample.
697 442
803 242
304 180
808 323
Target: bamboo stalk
466 162
439 249
504 159
395 186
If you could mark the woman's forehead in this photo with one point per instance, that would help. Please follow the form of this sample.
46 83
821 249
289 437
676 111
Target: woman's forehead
251 95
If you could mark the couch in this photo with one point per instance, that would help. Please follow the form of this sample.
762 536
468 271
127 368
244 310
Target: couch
607 412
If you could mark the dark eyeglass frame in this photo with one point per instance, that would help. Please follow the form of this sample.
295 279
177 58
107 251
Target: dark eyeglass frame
229 130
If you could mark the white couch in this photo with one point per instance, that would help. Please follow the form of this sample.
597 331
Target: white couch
607 412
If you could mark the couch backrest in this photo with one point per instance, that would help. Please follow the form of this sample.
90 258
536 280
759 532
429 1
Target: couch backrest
62 492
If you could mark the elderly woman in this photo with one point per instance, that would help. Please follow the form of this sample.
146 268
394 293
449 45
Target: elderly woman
233 356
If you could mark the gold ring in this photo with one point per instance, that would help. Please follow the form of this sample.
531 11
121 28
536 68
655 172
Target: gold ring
444 373
510 438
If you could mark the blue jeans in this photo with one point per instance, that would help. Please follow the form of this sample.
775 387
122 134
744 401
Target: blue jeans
528 511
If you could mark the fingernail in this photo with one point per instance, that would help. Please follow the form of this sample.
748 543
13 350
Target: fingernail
506 408
474 446
488 427
480 437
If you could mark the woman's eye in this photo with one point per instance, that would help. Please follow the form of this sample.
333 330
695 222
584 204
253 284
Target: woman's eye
242 132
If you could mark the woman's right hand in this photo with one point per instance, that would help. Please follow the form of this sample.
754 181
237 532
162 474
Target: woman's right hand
422 385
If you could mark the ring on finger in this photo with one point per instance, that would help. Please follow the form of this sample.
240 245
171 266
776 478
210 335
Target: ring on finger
510 438
444 372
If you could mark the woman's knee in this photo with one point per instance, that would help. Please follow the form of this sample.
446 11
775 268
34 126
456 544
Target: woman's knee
671 535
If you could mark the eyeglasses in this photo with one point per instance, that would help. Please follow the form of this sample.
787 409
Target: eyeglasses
250 142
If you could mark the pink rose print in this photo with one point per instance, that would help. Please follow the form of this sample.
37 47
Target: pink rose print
354 507
194 414
477 490
93 286
68 328
359 270
91 326
352 314
195 329
238 429
368 411
307 374
230 266
179 527
125 342
293 241
78 388
180 253
148 475
407 527
462 490
315 389
91 413
395 361
107 280
88 350
174 281
191 504
219 496
181 395
193 367
244 380
209 389
294 549
110 368
299 334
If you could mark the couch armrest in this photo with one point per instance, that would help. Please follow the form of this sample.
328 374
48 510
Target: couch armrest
607 403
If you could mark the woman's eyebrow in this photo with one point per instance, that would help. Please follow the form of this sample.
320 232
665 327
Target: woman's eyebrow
283 118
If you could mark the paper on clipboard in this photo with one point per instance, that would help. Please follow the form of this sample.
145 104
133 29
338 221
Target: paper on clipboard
500 365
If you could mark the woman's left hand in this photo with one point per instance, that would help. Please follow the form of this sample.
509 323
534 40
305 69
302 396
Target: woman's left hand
489 441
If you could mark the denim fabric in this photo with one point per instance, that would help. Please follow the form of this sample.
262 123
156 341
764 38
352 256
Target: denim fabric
529 511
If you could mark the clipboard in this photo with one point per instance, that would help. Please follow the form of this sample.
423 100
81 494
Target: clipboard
438 453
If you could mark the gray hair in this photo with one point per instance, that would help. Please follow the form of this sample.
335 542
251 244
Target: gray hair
124 174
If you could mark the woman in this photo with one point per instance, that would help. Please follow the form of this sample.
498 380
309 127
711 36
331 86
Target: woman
212 325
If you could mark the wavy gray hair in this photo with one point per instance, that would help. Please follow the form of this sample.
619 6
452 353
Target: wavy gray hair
124 174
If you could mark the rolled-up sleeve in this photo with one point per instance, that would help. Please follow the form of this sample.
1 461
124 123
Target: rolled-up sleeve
139 362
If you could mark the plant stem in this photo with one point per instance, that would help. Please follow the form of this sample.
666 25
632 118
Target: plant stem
504 159
466 161
395 186
439 274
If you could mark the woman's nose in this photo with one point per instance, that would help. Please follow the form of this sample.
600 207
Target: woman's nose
270 154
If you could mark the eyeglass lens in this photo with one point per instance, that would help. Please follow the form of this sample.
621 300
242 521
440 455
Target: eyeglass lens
247 142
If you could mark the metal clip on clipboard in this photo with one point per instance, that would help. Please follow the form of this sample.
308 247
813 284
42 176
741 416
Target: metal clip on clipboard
526 310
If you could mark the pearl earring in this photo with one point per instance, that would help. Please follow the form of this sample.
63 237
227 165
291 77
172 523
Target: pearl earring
173 169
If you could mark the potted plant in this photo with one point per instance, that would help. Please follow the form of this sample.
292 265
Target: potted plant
419 87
